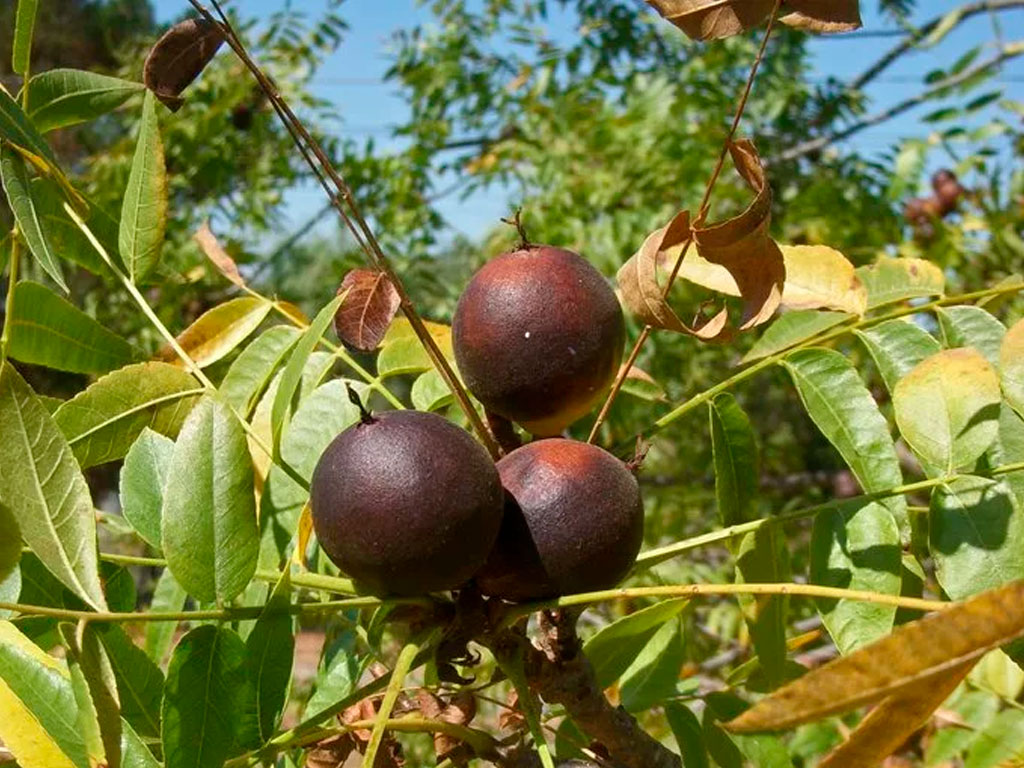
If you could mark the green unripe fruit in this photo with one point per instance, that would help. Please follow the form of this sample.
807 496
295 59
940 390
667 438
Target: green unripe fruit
573 522
406 503
538 337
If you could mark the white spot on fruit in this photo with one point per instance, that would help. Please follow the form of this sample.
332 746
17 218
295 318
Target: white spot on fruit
526 335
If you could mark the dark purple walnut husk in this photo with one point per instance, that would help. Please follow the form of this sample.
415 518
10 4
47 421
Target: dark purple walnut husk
538 336
406 503
573 522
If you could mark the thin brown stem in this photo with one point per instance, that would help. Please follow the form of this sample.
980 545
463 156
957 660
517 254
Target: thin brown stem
741 106
318 161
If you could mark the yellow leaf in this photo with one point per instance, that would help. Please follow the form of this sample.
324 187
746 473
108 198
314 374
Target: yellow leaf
218 331
896 664
893 721
819 277
1011 366
302 533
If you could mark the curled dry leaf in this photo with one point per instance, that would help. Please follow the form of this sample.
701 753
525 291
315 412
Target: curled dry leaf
371 305
735 256
459 709
915 657
216 253
178 57
715 19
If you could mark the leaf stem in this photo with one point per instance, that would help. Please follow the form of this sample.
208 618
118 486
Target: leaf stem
224 614
701 215
706 590
652 557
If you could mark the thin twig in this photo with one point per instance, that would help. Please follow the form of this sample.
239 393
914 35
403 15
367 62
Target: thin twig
702 214
1009 51
356 222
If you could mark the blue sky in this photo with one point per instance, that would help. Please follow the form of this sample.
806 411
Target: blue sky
353 79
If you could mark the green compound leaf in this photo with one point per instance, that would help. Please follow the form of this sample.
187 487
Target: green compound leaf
250 373
48 330
208 525
736 460
44 489
614 648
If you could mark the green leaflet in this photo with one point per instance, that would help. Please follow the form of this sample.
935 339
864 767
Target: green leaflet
42 486
144 210
208 525
103 421
967 326
270 648
95 691
24 23
976 535
689 735
734 447
19 189
140 682
856 547
896 347
615 646
947 408
207 692
48 330
143 477
791 329
763 558
16 128
59 98
167 596
250 373
321 417
291 377
652 675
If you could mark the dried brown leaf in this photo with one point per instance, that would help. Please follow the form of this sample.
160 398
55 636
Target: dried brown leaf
894 720
715 19
364 317
459 709
178 57
826 17
898 663
641 292
216 253
332 752
512 719
741 244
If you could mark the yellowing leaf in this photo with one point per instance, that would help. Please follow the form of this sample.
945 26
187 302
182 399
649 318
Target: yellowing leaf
819 277
218 331
1011 366
909 658
889 280
714 19
401 352
893 721
947 407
